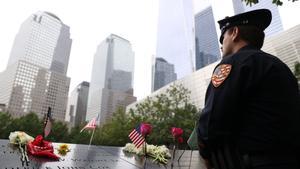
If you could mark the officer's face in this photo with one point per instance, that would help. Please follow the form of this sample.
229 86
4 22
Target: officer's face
227 47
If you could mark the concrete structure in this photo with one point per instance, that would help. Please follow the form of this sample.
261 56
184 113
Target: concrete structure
35 77
77 104
196 82
163 73
276 24
207 43
285 45
2 108
112 78
176 35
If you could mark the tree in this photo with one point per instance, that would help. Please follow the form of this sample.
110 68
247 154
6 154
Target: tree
29 123
166 110
33 126
59 132
115 131
5 123
169 109
297 71
277 2
79 138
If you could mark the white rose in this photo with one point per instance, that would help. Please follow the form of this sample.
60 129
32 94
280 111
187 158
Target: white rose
19 137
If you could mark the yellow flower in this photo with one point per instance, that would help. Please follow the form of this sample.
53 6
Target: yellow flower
63 149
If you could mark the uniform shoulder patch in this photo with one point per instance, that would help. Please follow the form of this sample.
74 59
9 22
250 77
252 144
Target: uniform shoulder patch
220 74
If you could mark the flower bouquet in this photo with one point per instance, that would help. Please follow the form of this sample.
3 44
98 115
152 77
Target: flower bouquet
160 154
20 139
42 148
138 137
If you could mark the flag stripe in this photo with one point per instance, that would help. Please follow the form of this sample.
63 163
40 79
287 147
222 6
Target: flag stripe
47 123
139 142
91 124
48 127
136 138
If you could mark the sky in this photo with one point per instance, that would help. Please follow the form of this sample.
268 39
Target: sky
91 21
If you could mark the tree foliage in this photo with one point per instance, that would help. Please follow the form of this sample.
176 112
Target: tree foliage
79 138
297 71
59 132
277 2
32 125
5 124
114 132
166 110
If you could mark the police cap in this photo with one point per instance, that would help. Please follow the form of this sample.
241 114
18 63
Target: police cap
260 18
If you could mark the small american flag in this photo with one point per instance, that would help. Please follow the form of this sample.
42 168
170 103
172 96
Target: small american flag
91 124
136 137
47 123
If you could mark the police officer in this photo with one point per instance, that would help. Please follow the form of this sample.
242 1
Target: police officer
251 115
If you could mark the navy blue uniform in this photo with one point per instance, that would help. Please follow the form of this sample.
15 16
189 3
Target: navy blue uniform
254 103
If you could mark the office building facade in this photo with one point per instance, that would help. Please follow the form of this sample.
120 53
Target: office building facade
77 104
111 84
163 73
176 35
43 40
207 44
35 77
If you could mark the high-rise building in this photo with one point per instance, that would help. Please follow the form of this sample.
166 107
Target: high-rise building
176 35
77 104
285 46
207 44
276 24
43 40
35 77
111 84
163 73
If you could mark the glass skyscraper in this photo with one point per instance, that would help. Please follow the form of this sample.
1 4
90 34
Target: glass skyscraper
163 73
276 24
35 77
176 35
77 104
43 40
112 78
207 44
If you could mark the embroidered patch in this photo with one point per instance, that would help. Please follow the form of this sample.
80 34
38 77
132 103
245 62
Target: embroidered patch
220 74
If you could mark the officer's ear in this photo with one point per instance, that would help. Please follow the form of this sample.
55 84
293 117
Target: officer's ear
235 34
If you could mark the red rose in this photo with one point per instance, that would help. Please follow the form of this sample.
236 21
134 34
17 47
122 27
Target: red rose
180 140
176 132
146 129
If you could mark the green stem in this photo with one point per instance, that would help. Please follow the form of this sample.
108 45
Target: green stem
26 156
22 153
173 154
